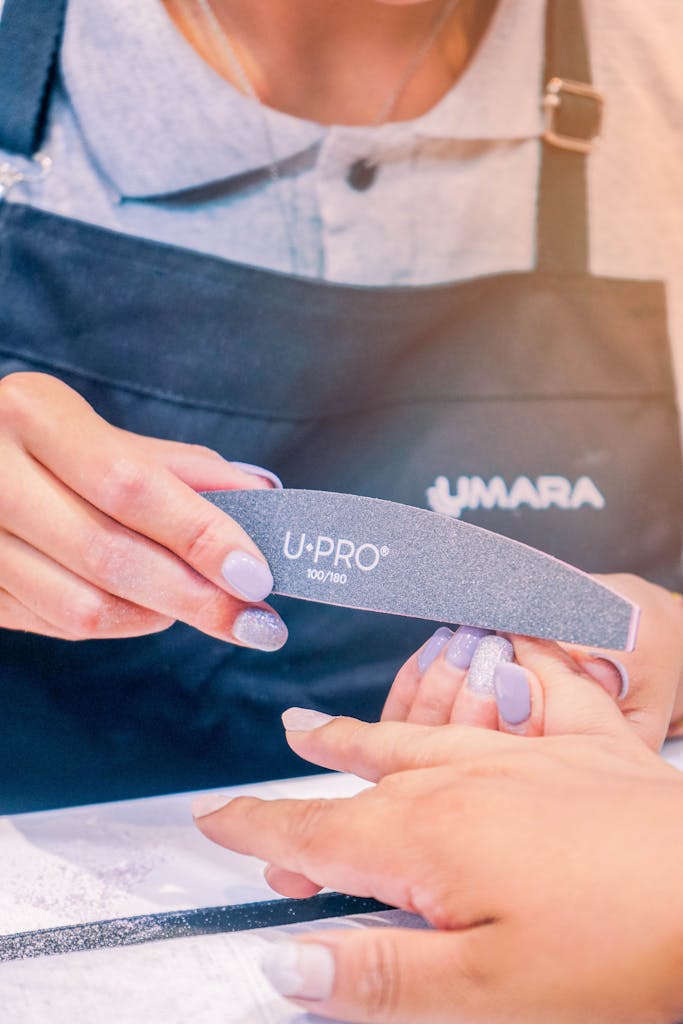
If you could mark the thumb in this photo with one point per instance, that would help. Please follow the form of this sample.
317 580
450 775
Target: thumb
386 974
573 701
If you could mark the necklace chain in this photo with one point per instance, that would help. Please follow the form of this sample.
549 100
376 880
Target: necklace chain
242 78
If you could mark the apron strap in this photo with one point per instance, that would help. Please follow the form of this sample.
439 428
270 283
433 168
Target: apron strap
30 34
573 114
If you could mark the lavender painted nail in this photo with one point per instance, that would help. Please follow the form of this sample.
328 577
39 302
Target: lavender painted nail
492 650
511 686
463 644
261 629
266 474
433 647
247 575
615 663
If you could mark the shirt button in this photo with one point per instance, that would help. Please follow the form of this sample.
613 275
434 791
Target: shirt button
361 174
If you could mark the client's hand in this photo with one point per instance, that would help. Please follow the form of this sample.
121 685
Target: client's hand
549 868
451 677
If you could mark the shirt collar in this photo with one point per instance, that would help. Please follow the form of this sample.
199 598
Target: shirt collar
499 94
158 120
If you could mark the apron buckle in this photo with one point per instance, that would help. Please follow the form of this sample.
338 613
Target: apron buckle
573 115
11 174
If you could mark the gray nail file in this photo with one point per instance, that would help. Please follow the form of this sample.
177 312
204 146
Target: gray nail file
369 553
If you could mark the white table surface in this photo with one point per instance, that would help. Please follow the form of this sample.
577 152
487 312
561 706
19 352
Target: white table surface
106 861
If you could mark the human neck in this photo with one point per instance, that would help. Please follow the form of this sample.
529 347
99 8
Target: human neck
337 61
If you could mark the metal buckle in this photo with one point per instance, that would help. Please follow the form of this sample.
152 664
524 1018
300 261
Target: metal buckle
551 103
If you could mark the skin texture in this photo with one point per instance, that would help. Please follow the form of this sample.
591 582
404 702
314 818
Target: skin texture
548 868
84 551
439 695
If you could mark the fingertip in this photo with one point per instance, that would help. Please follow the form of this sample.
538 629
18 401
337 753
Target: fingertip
304 719
572 700
490 652
300 970
260 628
289 883
433 648
208 803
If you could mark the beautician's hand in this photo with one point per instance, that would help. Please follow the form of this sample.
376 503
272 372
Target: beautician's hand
451 678
102 533
549 868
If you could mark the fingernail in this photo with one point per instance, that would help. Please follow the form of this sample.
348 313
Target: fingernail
248 575
247 467
261 629
463 644
604 673
433 647
513 696
302 970
207 803
303 719
492 650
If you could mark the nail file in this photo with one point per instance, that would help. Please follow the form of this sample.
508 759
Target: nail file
359 552
135 931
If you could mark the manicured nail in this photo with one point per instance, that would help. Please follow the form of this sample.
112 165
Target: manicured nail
463 644
259 628
303 719
513 696
248 575
604 673
433 647
247 467
492 650
301 970
207 803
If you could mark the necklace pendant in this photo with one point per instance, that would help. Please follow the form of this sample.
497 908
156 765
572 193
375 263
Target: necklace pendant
361 174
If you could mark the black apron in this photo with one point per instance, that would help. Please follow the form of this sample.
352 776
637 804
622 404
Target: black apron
533 378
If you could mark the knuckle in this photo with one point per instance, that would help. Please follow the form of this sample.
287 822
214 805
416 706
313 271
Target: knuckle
379 989
86 617
212 613
124 483
358 739
204 538
392 786
308 826
418 750
107 559
17 397
429 904
203 451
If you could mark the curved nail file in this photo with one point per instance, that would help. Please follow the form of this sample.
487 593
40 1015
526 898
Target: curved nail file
385 557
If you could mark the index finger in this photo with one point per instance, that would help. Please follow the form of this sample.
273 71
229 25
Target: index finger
135 491
341 843
373 750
